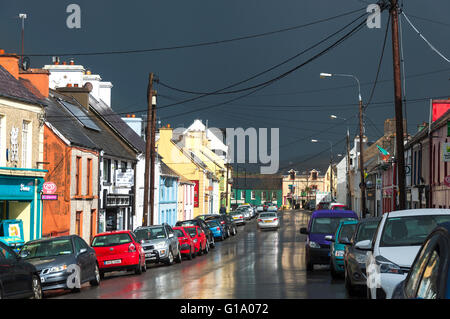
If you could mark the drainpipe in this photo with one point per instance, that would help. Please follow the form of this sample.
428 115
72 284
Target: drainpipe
430 158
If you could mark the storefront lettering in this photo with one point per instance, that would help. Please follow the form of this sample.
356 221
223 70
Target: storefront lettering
24 188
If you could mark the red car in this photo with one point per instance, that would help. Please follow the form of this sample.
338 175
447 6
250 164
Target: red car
199 238
117 251
187 245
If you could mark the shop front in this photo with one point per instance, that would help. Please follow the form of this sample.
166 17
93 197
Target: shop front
20 199
118 213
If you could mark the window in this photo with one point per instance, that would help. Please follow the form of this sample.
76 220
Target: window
26 145
428 288
78 222
263 196
93 223
232 195
89 177
79 244
7 253
2 140
242 194
253 195
107 170
314 176
274 195
78 176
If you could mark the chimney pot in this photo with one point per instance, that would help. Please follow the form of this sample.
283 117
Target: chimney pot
69 85
64 63
2 51
72 62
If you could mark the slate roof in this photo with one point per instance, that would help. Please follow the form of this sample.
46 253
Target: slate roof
116 122
12 88
105 140
258 183
167 171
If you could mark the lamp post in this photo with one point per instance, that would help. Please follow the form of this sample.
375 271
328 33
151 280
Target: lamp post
331 164
362 184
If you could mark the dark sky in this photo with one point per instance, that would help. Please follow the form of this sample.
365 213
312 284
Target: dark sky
122 25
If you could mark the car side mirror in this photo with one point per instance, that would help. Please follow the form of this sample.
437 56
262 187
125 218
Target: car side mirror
329 238
304 231
24 254
364 245
170 235
83 250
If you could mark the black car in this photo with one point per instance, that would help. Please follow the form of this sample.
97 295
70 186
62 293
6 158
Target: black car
225 221
64 262
18 278
355 259
429 274
200 223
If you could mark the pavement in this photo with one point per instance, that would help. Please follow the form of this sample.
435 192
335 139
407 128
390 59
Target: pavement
254 264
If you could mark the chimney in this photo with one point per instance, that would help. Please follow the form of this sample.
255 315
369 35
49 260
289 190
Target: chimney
165 134
81 94
39 78
10 62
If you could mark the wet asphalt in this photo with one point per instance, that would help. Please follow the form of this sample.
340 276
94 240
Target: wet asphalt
253 264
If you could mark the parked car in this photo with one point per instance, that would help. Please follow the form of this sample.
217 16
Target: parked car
260 208
268 220
56 259
429 274
342 237
323 206
226 222
266 205
399 237
338 206
199 238
321 224
187 245
272 208
18 278
246 211
355 259
159 243
216 228
119 251
237 217
200 223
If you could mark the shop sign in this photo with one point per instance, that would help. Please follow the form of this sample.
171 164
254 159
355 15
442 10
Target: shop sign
24 188
447 181
446 152
49 197
49 188
196 190
125 179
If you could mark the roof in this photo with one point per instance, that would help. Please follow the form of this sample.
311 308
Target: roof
334 213
269 183
117 123
167 171
419 212
12 88
105 139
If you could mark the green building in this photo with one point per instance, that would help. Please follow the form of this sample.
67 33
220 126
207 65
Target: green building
256 190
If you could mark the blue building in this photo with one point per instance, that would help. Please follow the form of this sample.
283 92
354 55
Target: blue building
168 195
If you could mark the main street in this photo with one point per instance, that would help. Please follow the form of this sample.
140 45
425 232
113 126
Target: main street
253 264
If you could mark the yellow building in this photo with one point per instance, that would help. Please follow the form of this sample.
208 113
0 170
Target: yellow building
189 165
299 188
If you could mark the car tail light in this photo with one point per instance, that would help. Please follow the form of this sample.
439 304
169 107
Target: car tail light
275 219
218 228
222 222
131 248
260 220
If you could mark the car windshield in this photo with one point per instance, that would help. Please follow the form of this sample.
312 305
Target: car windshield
366 231
150 233
188 223
409 230
266 215
213 223
191 231
338 207
346 231
179 233
48 248
325 225
111 240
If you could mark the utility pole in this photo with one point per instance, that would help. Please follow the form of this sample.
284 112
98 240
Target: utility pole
362 184
149 153
400 149
349 202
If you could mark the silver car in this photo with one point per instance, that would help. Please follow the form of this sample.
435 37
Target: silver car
159 243
268 220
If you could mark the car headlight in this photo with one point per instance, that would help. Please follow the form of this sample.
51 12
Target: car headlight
339 253
361 258
195 240
387 266
57 269
160 245
313 244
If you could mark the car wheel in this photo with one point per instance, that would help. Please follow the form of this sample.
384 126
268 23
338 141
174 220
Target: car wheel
228 233
348 285
333 272
212 243
96 280
144 268
36 288
102 275
170 258
206 248
178 259
138 269
309 265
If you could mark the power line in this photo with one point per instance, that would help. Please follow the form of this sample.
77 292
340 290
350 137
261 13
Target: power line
200 44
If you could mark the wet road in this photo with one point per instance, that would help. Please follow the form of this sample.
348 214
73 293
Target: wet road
253 264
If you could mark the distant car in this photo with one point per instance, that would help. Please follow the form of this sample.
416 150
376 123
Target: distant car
56 259
338 206
229 227
321 224
199 238
272 208
200 223
247 211
268 220
159 243
355 259
260 208
118 251
187 245
237 217
323 206
429 274
397 241
217 229
18 278
342 237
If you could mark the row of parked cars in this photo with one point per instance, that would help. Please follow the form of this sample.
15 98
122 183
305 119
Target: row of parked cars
67 262
402 254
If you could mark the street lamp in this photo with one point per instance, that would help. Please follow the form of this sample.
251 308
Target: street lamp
362 185
331 164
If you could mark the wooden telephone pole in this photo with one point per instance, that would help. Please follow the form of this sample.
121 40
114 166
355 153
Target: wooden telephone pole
400 149
150 155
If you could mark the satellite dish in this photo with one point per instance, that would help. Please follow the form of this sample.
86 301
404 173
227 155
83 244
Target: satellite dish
26 62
